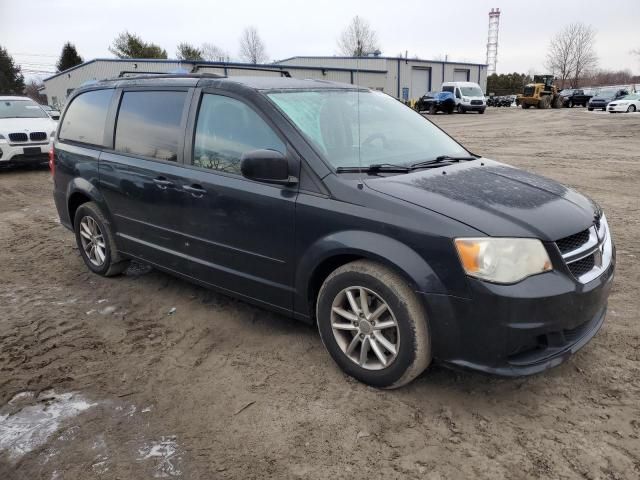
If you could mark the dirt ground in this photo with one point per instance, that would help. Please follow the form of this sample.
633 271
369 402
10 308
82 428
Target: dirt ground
146 376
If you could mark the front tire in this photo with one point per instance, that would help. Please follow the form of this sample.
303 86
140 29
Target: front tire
460 109
373 325
96 241
631 109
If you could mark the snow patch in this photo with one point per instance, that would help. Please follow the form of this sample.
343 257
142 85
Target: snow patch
164 455
31 426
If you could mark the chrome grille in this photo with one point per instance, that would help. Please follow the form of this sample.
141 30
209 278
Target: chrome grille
572 242
587 254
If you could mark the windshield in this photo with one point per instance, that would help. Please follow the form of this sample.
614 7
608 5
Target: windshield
21 109
633 96
389 132
471 92
606 93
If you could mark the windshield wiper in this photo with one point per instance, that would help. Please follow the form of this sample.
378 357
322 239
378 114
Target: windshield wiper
440 159
376 167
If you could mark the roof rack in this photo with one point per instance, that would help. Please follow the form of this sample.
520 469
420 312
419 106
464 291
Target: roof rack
225 66
139 74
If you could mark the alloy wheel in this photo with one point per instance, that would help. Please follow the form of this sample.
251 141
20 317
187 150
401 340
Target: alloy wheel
92 241
365 328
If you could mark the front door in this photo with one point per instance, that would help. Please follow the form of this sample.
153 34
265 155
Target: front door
238 233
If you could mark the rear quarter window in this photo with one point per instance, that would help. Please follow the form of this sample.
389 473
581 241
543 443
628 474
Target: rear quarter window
149 124
86 117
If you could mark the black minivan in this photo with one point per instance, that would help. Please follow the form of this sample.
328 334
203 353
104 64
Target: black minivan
339 206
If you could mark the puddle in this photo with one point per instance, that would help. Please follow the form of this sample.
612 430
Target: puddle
31 426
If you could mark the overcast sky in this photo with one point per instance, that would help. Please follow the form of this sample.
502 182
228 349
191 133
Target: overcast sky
428 29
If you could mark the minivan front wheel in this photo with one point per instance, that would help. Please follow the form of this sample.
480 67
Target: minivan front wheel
95 241
373 325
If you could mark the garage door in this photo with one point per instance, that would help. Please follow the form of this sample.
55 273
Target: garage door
460 75
420 82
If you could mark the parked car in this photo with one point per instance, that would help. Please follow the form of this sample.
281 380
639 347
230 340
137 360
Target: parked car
52 112
468 95
434 102
604 96
576 97
630 104
403 248
26 131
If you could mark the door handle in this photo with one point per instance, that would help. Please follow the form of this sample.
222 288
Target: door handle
162 182
195 190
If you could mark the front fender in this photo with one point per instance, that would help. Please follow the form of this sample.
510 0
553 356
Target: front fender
374 246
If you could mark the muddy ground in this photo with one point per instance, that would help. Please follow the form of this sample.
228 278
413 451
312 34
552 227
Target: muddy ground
100 380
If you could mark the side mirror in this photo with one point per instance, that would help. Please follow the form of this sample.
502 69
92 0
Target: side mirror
268 166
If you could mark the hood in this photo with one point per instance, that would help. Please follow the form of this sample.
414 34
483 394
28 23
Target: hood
27 125
494 198
599 98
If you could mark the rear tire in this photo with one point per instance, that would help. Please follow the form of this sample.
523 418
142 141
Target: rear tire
385 351
96 241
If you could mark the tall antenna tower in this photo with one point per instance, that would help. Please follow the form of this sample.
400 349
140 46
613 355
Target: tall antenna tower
492 42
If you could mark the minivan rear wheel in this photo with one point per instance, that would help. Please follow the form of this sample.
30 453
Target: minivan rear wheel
96 242
373 324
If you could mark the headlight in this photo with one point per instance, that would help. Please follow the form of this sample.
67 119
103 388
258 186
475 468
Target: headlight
465 99
502 260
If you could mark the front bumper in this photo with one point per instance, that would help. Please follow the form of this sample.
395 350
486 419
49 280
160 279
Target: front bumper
15 153
618 108
521 329
472 108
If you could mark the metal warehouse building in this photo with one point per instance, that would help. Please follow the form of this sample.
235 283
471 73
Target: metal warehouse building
405 79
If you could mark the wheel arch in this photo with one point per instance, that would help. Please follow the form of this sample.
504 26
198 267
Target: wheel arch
335 250
81 191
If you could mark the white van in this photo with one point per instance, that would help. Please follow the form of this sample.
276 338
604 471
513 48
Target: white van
468 95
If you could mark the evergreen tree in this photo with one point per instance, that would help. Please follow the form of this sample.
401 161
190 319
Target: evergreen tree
11 79
130 45
68 58
188 52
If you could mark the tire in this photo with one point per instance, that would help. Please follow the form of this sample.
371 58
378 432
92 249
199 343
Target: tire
570 103
432 110
525 105
88 215
631 109
407 330
481 111
604 109
590 109
460 109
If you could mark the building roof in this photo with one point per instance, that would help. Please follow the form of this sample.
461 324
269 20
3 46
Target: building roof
337 57
14 97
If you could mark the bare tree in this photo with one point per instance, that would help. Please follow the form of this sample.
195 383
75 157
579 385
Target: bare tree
572 53
560 57
358 39
252 48
213 53
585 57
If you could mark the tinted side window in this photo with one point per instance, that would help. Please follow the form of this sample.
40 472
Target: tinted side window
149 124
86 117
226 129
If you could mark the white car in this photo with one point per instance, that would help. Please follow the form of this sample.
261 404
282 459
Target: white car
630 103
26 131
